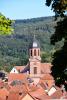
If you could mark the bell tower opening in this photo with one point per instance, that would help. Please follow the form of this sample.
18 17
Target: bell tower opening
31 52
34 52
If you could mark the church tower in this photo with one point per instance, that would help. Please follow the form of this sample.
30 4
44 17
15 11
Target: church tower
35 59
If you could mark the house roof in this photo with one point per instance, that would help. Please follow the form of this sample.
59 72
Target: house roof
20 88
1 83
7 86
14 76
37 92
19 68
13 96
2 98
43 97
33 88
40 94
47 77
57 95
45 68
28 97
3 93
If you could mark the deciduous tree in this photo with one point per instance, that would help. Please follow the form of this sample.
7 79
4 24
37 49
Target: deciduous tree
5 25
59 69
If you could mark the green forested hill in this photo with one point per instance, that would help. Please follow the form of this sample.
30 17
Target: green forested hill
14 48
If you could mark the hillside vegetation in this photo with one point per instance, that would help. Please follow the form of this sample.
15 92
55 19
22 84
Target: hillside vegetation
14 48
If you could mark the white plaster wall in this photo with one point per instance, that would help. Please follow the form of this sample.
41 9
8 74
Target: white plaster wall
51 91
14 70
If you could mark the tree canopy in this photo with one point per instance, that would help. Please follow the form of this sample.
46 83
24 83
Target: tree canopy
58 6
5 25
59 69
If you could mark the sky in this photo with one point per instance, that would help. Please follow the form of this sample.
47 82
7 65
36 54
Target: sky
24 9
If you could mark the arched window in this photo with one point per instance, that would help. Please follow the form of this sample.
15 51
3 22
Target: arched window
35 52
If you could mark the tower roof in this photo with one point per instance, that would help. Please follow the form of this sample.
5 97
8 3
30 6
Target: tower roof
34 43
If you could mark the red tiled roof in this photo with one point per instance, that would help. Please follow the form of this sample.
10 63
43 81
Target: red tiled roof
45 68
13 96
4 93
57 95
40 94
14 76
1 83
44 97
37 92
7 86
47 77
20 88
19 68
28 96
2 98
33 88
46 84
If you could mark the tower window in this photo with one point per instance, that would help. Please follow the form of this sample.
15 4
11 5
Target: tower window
38 52
35 70
34 52
31 52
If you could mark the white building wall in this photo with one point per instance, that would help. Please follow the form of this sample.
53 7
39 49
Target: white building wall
14 71
51 91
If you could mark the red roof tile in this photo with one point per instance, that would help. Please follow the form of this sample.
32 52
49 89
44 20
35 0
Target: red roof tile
13 96
1 83
44 97
20 88
40 94
4 93
57 94
47 77
20 68
27 96
37 92
14 76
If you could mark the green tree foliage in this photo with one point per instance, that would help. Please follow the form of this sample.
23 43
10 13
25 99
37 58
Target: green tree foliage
46 56
58 6
5 25
14 48
59 69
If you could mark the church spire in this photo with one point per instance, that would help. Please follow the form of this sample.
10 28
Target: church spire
35 43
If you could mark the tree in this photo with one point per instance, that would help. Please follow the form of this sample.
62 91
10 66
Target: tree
5 25
58 6
59 68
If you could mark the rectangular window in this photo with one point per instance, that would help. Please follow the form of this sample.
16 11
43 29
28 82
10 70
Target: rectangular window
38 52
35 70
35 52
31 52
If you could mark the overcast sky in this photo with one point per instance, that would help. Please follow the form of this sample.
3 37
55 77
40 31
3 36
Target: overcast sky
24 9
